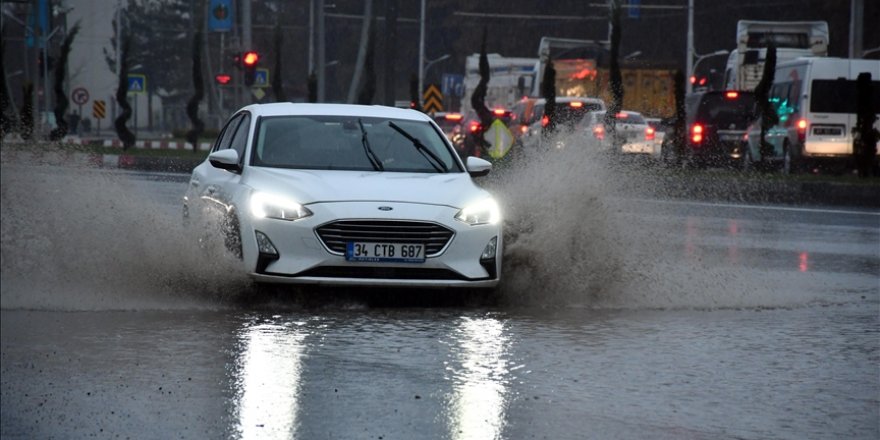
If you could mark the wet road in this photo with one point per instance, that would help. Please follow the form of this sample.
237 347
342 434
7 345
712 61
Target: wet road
674 320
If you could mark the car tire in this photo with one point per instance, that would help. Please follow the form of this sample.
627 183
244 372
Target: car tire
788 161
746 162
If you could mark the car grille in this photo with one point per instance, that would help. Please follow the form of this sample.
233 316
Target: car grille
335 235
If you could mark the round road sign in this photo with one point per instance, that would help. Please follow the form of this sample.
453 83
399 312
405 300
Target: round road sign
79 96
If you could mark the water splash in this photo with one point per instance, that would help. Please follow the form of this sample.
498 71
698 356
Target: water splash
75 237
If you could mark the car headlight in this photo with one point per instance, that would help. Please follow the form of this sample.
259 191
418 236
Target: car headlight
265 205
484 212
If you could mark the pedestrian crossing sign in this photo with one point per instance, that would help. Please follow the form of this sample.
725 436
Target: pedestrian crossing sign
137 83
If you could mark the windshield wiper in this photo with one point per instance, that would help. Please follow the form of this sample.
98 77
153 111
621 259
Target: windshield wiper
426 152
377 164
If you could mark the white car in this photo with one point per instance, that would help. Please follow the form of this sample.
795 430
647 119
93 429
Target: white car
634 134
347 195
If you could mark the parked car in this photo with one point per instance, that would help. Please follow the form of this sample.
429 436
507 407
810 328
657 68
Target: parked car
815 99
716 123
346 195
633 135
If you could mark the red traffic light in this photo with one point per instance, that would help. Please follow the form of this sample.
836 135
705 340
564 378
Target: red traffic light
250 58
223 78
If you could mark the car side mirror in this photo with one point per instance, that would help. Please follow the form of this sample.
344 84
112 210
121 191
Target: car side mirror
225 159
477 167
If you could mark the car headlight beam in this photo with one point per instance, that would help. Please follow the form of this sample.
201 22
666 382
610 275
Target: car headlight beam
264 205
484 212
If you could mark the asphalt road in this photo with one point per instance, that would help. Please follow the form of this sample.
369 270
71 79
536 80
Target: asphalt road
620 317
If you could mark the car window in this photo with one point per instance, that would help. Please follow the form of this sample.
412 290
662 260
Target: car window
837 95
715 108
290 142
239 142
225 138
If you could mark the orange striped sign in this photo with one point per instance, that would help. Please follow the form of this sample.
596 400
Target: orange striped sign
99 109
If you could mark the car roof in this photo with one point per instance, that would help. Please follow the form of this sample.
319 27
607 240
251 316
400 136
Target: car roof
301 109
571 99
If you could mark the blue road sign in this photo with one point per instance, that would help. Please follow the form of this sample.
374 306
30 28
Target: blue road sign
634 10
261 77
137 83
452 85
220 16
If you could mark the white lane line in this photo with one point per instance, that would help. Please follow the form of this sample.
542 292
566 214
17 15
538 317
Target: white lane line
760 207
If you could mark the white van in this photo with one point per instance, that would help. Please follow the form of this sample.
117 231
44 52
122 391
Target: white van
816 101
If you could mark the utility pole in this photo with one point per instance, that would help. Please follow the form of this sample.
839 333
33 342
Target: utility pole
689 67
390 43
311 37
322 55
856 23
422 54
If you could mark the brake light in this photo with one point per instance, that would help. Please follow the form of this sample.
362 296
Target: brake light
649 134
523 128
599 132
802 125
731 95
498 112
475 127
621 115
454 116
545 121
576 104
697 133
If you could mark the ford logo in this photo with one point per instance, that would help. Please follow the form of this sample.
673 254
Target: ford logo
385 208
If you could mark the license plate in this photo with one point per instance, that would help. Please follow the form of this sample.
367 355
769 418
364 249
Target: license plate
827 131
385 252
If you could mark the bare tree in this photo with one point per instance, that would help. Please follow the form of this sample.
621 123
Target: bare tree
277 83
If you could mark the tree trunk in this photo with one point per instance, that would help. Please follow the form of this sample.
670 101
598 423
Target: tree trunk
864 134
765 110
277 83
548 92
27 111
61 101
125 135
615 81
192 106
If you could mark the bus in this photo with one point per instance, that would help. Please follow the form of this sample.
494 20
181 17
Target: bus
793 39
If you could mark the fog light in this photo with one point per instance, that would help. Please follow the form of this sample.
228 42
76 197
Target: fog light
265 245
489 250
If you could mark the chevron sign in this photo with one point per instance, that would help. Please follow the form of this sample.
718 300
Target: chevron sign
433 99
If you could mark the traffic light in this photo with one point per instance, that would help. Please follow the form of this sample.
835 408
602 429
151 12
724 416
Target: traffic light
223 78
249 62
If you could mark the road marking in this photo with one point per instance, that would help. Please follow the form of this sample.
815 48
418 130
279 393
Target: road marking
762 207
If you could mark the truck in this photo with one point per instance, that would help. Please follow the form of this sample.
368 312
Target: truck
793 39
582 70
509 79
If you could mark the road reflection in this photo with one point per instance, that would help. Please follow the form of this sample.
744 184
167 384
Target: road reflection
480 379
267 380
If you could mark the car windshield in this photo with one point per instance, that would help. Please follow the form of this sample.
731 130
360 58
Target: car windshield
716 108
338 143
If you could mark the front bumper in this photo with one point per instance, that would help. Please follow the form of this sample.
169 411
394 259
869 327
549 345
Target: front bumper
303 258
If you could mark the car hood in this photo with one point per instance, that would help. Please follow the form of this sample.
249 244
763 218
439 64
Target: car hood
317 186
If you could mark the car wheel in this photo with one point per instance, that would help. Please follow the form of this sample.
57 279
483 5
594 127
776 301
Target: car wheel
746 163
787 159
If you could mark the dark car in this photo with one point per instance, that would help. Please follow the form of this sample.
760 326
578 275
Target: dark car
716 126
